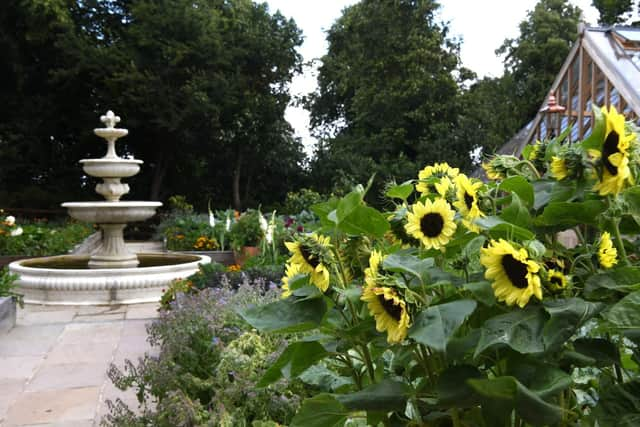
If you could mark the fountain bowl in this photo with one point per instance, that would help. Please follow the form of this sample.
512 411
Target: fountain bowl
111 212
67 279
111 168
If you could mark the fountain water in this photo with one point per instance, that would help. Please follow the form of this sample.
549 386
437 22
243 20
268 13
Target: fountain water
111 275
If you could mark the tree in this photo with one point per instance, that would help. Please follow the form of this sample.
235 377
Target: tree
387 96
535 57
201 85
614 12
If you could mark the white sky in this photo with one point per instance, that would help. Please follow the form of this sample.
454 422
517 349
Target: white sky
481 24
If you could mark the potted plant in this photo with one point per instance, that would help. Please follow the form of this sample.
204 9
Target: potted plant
246 235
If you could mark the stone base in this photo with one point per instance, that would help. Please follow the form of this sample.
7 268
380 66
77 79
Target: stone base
7 314
67 286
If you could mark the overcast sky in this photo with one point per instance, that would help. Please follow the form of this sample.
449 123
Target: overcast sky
482 26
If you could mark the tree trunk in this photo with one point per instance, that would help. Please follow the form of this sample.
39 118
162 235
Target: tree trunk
158 175
237 203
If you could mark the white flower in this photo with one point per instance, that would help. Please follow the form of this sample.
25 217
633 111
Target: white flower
227 225
212 219
263 223
16 232
269 235
10 220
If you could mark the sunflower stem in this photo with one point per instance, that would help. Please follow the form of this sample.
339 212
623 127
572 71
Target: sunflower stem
422 352
369 363
531 167
620 243
455 417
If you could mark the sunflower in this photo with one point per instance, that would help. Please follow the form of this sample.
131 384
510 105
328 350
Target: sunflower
310 255
467 201
389 310
431 223
371 272
614 154
559 168
433 173
514 275
491 171
557 280
607 254
291 270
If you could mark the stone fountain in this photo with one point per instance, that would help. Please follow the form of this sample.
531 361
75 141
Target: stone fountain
112 274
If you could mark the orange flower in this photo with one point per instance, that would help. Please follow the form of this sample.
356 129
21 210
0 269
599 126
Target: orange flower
234 267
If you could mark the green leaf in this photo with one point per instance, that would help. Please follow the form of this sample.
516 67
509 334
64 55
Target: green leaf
542 193
388 395
322 210
322 410
324 378
453 389
520 329
402 263
364 221
347 205
544 379
434 326
601 350
626 313
400 191
618 405
293 361
567 214
498 228
595 139
482 291
622 279
520 186
566 316
511 393
516 213
288 315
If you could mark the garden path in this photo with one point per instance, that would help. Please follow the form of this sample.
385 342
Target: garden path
53 363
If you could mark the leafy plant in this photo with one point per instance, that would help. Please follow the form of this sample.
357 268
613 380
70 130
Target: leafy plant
7 285
246 230
477 310
207 368
42 239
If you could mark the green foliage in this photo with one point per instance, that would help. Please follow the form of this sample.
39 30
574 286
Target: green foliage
387 95
614 11
207 368
488 316
201 87
298 201
189 232
7 285
246 230
44 239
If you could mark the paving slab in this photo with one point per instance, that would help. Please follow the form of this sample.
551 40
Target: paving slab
52 406
54 362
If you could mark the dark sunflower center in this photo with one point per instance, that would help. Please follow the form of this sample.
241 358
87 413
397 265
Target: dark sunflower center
610 147
468 200
308 256
392 310
556 281
431 224
516 271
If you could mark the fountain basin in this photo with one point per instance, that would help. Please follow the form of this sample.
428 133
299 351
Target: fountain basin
68 280
111 212
111 168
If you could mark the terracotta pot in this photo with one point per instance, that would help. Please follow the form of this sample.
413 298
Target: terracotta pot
246 253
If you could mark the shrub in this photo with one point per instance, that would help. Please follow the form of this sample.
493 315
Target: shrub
42 239
246 230
208 366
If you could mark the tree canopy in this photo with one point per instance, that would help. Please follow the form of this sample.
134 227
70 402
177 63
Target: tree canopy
201 85
387 96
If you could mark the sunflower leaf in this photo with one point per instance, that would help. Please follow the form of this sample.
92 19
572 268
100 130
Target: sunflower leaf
293 361
322 410
402 263
364 220
520 186
434 326
387 395
566 316
520 329
400 191
499 228
510 393
594 140
567 214
626 313
288 315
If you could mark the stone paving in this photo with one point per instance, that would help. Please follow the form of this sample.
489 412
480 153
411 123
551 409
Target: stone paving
53 363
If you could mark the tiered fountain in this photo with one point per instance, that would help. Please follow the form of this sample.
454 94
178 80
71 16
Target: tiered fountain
112 274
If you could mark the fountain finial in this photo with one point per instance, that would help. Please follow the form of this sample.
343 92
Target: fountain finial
110 119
